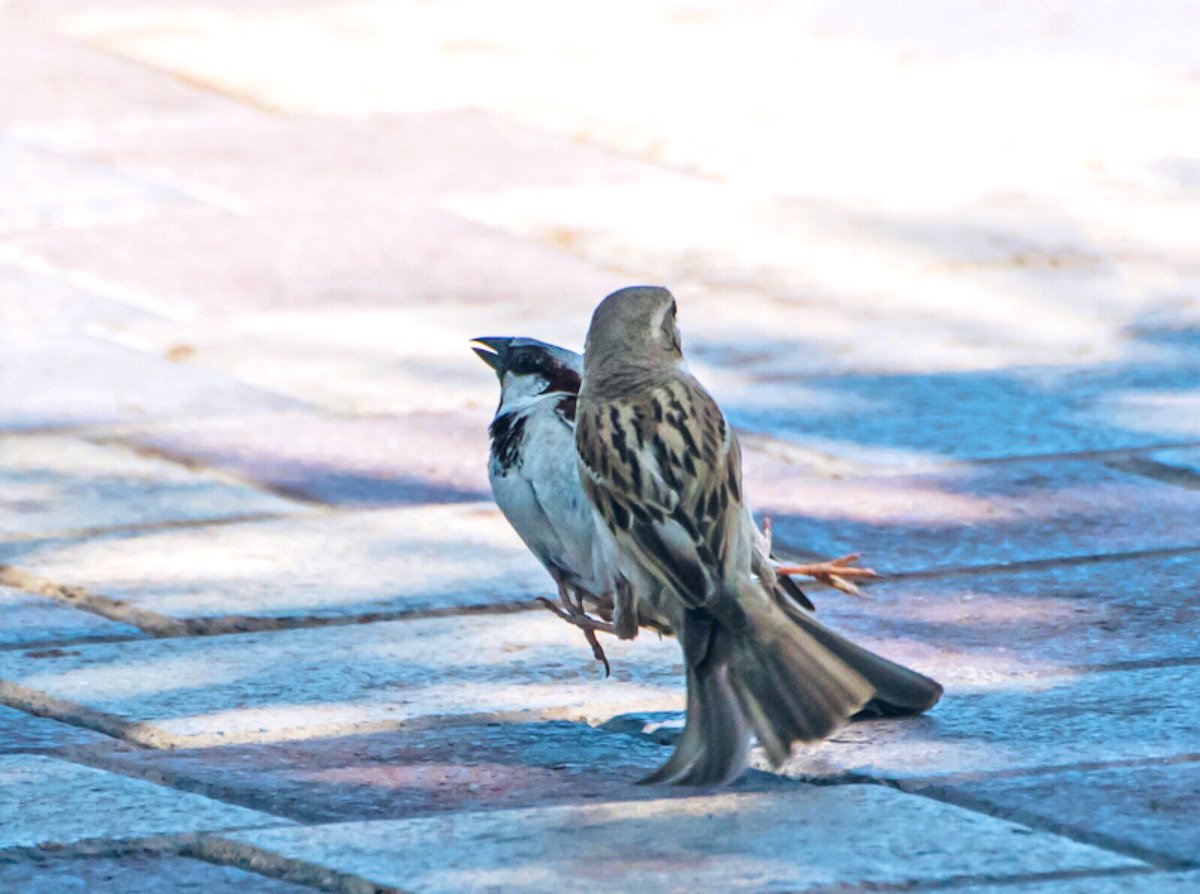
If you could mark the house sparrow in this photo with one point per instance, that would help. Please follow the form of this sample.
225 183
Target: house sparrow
533 472
534 477
662 467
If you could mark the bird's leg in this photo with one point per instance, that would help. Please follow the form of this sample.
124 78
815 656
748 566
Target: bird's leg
836 573
574 614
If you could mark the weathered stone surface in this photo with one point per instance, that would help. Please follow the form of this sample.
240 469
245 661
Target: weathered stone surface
64 92
1052 721
371 461
1150 883
319 565
341 680
53 485
799 840
966 627
1186 459
134 873
397 255
973 514
410 772
25 732
1149 809
28 619
49 801
84 381
42 189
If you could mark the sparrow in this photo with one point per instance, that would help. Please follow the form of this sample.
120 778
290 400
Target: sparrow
533 472
662 467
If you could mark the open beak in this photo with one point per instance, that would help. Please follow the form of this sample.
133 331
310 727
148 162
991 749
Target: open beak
494 351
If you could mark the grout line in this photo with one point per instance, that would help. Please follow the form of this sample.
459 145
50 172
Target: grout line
959 882
214 848
42 705
1158 859
155 527
937 571
80 598
1157 471
195 464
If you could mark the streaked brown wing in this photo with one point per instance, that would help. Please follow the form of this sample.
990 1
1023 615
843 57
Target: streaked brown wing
665 473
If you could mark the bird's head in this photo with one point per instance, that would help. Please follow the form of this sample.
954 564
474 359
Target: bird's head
528 368
635 327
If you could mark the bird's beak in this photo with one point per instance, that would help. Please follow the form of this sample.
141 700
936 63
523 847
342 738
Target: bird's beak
494 351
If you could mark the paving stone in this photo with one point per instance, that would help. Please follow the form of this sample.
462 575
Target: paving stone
50 801
396 255
135 873
63 87
1186 459
801 840
971 514
356 679
25 732
319 565
973 627
27 620
34 301
55 484
380 359
410 772
86 381
1151 883
359 461
48 190
1147 809
360 163
1040 722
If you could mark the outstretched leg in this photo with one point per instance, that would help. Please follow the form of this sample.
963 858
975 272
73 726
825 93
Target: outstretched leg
573 613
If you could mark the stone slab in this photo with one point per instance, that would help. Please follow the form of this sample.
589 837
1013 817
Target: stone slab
1150 883
372 461
319 565
1057 618
399 253
1022 724
800 840
64 88
49 801
356 679
28 620
971 515
87 381
412 772
54 485
25 732
1185 459
1144 809
43 189
135 873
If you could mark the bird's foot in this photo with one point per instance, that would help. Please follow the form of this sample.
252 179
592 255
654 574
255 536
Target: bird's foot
589 625
838 573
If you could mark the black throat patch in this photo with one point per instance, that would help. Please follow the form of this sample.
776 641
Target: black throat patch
507 432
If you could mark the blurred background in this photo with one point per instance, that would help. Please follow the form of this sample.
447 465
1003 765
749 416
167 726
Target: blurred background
255 237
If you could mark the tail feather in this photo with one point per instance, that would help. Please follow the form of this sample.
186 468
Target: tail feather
755 672
714 743
899 691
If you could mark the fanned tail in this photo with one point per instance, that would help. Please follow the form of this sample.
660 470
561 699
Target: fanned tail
755 671
899 691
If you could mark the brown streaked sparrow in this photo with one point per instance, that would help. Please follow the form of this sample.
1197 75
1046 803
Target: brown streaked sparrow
662 467
534 476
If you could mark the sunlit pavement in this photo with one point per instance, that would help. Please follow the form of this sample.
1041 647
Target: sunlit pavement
262 628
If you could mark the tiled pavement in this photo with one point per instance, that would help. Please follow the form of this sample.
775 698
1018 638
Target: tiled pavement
261 628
